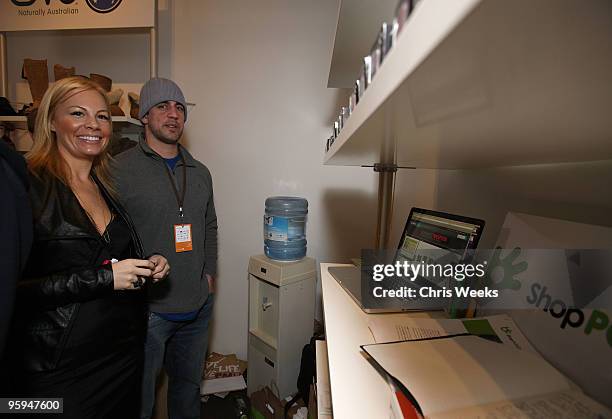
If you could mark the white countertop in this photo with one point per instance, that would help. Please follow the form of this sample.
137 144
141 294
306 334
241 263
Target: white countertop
357 390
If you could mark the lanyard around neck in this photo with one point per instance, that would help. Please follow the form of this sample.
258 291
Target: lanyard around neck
180 198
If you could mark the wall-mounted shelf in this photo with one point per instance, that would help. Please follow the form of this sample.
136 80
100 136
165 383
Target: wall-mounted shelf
123 124
487 83
358 24
18 122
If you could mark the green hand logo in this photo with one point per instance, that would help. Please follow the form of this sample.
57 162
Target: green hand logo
501 272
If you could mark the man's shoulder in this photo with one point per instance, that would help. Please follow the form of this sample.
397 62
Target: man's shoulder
130 162
197 163
201 166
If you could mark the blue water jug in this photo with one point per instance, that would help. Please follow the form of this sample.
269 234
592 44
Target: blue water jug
285 228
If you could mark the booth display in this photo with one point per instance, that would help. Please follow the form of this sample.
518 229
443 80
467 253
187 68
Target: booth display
35 15
67 15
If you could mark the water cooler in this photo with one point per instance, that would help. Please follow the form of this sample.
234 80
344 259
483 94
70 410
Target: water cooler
281 317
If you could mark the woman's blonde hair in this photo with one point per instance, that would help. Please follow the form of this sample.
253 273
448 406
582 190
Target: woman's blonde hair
45 155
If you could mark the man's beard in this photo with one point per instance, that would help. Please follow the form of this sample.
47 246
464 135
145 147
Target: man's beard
159 134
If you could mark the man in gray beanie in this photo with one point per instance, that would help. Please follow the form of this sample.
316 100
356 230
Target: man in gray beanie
169 196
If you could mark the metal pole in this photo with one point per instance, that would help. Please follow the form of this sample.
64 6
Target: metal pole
153 43
386 183
386 190
153 50
3 65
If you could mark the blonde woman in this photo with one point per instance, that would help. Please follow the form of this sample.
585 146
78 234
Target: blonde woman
80 312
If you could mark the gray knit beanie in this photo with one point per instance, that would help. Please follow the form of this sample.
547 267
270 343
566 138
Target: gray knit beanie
158 90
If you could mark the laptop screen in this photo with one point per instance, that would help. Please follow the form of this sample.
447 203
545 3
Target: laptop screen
429 238
431 232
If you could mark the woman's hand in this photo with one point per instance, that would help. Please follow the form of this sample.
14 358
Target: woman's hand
161 269
128 274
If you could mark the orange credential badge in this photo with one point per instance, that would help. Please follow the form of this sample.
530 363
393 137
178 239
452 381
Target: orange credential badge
182 238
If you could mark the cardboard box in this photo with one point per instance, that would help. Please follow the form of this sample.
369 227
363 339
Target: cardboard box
265 404
223 373
219 365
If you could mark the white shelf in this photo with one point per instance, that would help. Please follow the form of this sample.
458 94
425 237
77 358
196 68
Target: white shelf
18 122
23 140
488 83
358 24
123 123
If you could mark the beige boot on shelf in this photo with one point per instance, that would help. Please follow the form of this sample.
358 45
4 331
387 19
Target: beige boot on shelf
104 82
134 104
113 99
61 72
36 73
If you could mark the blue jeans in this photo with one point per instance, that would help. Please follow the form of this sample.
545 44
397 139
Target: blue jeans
180 348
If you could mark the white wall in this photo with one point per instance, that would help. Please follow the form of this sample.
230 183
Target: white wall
258 76
575 192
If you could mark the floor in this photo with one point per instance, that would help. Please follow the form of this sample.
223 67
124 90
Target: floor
229 407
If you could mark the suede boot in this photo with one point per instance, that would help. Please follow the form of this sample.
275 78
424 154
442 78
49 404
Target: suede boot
36 73
104 82
61 72
113 99
134 104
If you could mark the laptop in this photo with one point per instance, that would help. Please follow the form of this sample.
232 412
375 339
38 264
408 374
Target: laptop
427 235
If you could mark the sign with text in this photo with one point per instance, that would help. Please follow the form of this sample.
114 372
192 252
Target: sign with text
575 335
28 15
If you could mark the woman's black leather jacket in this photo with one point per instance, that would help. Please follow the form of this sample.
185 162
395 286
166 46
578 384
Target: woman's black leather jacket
61 272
